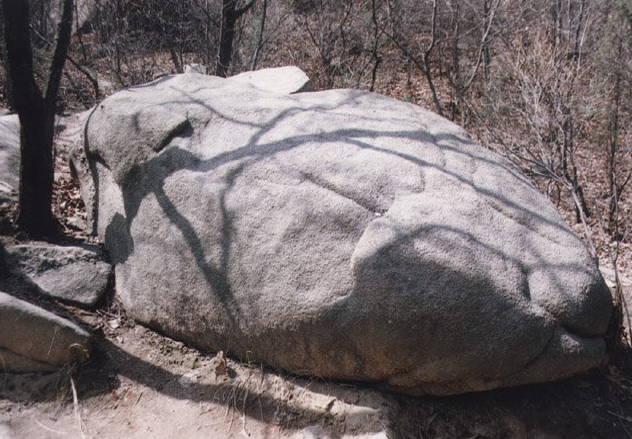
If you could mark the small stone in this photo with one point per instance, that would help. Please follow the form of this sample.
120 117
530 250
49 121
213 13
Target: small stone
9 154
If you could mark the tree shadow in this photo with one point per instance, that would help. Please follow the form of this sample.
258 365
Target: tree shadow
150 176
246 391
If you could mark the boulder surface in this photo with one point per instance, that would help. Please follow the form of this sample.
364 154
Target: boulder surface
284 80
9 157
339 234
79 275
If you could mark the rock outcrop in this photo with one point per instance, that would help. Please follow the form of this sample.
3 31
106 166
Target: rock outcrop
339 234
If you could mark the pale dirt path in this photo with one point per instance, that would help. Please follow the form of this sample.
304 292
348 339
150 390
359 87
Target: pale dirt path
142 385
162 389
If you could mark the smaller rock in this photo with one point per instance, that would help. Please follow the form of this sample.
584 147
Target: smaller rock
7 193
196 68
76 223
283 80
378 435
610 277
188 379
105 86
5 431
312 432
33 339
78 275
9 154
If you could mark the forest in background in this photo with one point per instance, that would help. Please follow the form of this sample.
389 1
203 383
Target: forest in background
547 84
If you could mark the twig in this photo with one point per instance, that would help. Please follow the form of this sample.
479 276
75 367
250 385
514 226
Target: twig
625 418
61 433
260 407
243 414
75 403
52 342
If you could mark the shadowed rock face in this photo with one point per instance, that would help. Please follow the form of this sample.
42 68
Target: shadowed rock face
339 234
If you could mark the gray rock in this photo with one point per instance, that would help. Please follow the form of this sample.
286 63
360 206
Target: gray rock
196 68
5 431
626 290
78 275
284 80
339 234
33 339
12 362
105 86
611 277
9 157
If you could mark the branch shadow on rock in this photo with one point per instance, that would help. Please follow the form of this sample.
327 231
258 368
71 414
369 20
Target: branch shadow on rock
149 178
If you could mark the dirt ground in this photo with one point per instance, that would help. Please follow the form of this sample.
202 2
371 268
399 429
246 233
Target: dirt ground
139 384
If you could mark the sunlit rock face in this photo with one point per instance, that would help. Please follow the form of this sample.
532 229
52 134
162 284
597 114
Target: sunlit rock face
339 234
9 157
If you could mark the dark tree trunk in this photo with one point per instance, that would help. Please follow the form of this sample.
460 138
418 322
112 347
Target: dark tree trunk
36 172
255 57
230 15
6 89
36 111
227 34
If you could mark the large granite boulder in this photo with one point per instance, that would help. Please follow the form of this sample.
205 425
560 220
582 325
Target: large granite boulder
340 234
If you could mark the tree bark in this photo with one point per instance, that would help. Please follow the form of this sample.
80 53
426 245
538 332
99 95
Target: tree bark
36 111
230 15
486 54
6 89
255 57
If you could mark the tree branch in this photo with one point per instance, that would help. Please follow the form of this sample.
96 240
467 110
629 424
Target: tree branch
241 11
62 42
17 38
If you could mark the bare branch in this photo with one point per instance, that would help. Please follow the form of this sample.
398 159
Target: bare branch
59 54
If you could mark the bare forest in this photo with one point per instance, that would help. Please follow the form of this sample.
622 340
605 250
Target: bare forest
547 84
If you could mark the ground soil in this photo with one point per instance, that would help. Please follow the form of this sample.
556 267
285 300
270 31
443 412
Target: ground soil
139 384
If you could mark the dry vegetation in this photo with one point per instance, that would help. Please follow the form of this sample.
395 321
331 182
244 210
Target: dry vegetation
546 83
